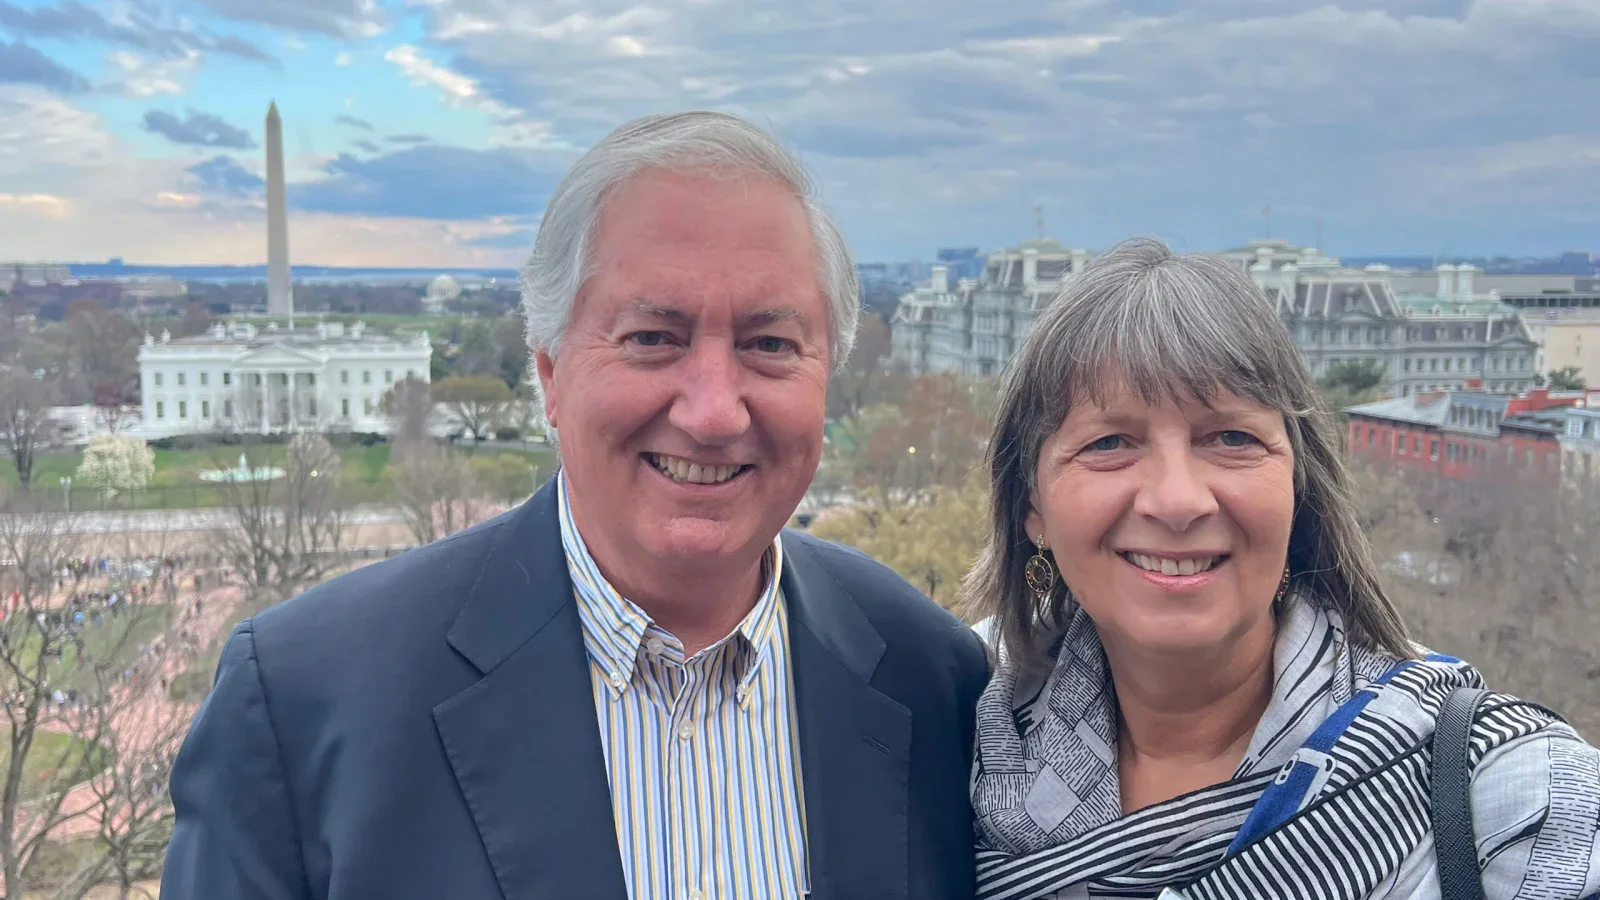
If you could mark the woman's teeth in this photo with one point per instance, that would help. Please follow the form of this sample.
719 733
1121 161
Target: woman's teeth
1192 566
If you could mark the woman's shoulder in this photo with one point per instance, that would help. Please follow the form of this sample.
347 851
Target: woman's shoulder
1535 798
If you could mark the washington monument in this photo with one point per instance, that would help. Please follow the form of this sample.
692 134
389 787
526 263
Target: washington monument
280 295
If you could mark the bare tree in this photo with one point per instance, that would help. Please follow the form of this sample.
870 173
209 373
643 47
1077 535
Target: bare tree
282 531
437 493
81 650
115 404
25 422
408 405
478 402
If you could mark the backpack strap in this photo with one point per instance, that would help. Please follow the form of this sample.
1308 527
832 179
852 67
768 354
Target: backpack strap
1454 840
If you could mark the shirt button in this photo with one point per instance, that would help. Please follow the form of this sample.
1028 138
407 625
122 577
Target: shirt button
657 646
697 895
616 679
686 731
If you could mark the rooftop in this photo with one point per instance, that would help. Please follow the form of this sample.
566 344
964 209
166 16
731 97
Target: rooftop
1479 306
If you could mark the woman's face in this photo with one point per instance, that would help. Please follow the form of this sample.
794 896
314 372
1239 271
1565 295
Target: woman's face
1169 523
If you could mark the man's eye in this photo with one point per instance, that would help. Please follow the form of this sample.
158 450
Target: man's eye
648 338
772 344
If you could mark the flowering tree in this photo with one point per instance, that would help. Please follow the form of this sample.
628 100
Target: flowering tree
113 463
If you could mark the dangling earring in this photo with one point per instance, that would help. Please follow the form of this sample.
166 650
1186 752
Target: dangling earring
1283 590
1040 575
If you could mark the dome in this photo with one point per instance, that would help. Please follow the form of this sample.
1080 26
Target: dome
443 289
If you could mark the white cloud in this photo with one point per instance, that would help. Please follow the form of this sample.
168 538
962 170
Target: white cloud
511 126
342 59
177 199
46 204
624 45
142 77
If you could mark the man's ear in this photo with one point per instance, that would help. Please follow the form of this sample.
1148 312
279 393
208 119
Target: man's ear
546 368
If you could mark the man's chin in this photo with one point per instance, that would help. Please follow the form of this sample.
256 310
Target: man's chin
704 540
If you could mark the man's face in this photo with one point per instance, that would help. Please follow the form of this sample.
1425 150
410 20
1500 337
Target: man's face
691 384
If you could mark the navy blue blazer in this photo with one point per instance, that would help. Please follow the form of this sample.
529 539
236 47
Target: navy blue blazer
425 728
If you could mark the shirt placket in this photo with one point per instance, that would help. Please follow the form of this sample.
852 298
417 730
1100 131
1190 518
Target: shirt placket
684 684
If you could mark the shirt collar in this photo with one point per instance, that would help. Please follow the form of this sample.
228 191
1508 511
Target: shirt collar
614 627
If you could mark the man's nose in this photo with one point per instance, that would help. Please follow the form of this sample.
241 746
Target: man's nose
710 406
1174 490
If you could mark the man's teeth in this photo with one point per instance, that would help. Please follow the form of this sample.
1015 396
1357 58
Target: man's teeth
1192 566
683 470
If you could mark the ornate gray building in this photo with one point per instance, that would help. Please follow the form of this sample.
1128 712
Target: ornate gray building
1424 341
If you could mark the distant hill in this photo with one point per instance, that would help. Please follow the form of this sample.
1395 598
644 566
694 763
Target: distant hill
118 269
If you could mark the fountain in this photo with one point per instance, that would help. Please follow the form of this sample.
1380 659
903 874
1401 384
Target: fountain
241 473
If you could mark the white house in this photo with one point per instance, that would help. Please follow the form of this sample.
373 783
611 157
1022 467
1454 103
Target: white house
237 378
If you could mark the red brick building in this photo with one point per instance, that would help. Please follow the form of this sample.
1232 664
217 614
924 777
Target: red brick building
1462 435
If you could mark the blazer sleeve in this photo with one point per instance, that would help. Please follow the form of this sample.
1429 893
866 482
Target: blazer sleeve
234 834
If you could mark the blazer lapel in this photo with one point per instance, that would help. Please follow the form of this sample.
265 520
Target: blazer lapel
855 743
524 741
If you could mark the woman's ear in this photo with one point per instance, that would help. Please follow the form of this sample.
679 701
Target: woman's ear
1034 523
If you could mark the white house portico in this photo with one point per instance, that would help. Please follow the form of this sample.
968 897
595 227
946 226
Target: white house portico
236 378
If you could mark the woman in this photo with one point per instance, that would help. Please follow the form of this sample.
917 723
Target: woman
1189 610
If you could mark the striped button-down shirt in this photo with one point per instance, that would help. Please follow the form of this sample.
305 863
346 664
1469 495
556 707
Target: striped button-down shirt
701 753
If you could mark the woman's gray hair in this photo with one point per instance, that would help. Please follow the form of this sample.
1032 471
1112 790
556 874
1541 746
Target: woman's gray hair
709 142
1168 326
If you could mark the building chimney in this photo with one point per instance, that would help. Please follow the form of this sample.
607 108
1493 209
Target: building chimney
941 280
1464 282
1030 267
1447 280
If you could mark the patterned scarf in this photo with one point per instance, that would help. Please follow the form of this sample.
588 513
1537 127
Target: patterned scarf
1049 808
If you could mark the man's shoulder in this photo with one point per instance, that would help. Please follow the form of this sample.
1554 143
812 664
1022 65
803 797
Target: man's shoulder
422 588
893 605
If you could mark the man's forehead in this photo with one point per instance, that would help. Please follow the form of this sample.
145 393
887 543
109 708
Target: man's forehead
752 314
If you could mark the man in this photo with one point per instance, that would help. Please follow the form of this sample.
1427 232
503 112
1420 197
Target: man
632 686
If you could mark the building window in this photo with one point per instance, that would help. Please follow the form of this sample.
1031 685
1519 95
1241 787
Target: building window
283 378
344 376
181 379
158 379
227 409
366 376
1433 449
312 379
311 407
161 408
183 409
1433 365
1416 446
1575 427
258 379
1495 364
367 405
227 378
388 376
344 407
205 379
1450 451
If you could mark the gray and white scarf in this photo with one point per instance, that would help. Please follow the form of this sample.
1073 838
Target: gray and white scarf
1049 809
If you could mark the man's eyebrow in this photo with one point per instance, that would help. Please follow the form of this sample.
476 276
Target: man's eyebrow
669 314
776 315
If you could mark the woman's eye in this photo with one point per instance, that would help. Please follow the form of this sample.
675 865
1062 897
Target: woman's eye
1236 439
1107 443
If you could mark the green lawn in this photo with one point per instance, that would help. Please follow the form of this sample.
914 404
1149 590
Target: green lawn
176 483
53 751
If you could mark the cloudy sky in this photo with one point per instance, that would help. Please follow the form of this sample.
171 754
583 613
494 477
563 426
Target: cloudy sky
429 132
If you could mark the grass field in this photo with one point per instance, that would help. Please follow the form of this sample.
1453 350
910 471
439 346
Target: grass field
52 751
176 483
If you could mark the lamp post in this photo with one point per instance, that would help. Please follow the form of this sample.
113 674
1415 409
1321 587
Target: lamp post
66 493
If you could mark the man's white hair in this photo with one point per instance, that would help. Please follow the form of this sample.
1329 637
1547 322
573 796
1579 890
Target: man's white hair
562 257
